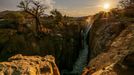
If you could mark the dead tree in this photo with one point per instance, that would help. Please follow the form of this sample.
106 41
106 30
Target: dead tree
36 8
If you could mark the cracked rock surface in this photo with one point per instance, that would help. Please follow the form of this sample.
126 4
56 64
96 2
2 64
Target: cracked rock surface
29 65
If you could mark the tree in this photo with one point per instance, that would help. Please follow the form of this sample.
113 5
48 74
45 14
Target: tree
58 18
57 15
126 3
128 7
36 8
132 1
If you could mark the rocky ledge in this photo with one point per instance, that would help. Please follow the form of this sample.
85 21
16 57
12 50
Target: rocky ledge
29 65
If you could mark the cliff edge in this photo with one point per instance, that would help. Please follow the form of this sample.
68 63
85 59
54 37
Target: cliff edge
29 65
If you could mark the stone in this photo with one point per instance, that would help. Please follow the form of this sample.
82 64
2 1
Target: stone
27 65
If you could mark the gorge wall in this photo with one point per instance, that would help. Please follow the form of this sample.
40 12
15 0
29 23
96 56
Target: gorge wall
110 43
102 33
63 43
111 47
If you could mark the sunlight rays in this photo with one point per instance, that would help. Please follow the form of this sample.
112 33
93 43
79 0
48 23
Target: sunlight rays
106 6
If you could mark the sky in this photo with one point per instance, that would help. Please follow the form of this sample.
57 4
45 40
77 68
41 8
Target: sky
67 7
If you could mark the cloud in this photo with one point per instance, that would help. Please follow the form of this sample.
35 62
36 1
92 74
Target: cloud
50 3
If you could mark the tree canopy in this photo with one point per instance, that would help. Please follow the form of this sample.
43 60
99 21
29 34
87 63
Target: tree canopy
126 3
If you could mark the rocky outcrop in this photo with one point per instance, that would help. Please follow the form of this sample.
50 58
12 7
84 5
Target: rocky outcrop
112 49
29 65
122 67
102 33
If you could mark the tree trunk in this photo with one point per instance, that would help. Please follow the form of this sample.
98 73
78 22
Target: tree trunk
37 20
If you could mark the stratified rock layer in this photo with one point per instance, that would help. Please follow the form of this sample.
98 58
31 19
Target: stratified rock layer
29 65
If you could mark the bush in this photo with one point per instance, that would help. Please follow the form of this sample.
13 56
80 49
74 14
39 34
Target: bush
15 18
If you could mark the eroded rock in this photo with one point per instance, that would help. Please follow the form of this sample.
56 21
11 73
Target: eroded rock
29 65
117 59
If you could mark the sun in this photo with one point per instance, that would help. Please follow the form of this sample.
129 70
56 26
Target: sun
106 6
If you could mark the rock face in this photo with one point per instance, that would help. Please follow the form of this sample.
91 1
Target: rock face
102 33
111 49
64 45
29 65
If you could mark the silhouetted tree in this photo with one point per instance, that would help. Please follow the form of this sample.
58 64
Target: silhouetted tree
126 3
128 7
57 15
36 8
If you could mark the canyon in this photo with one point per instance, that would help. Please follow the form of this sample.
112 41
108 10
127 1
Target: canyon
102 47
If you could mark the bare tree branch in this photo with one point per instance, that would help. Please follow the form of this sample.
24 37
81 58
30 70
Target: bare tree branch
34 8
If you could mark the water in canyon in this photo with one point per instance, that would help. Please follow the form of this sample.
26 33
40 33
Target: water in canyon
81 62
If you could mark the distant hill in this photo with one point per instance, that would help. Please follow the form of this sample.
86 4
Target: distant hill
3 13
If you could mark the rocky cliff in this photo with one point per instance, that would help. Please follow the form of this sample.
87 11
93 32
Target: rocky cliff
111 48
63 43
29 65
102 34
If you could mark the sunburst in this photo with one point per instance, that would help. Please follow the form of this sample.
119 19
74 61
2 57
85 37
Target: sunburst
106 7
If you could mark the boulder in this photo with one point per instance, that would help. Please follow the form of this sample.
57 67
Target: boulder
29 65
